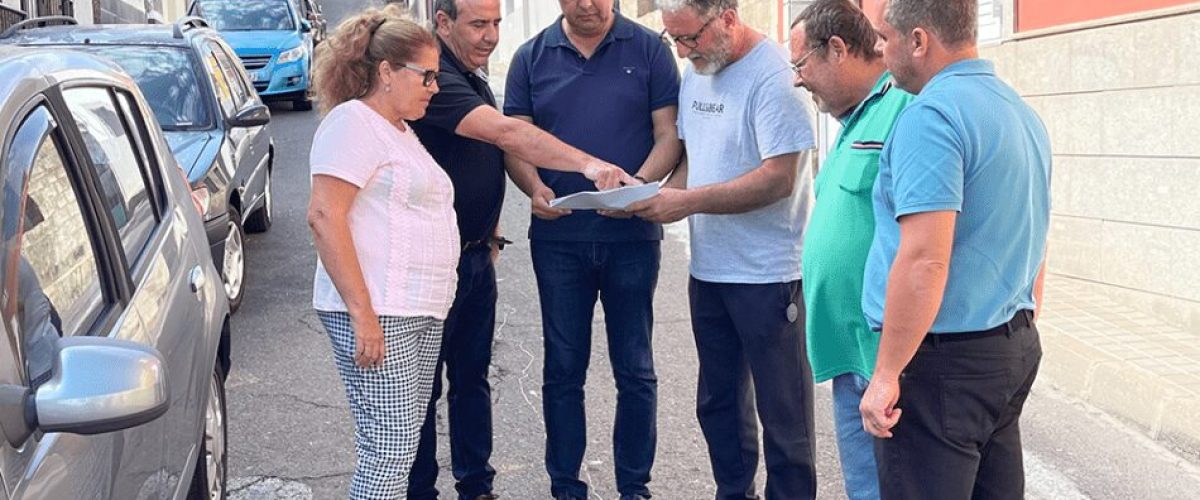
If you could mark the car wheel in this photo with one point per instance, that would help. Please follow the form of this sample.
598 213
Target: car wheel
212 467
233 266
304 103
260 220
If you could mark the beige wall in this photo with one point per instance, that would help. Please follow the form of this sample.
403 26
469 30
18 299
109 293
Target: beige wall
763 15
1120 104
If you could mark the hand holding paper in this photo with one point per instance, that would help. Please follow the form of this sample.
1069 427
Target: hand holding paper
613 199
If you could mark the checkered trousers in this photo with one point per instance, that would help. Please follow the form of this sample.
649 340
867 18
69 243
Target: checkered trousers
388 403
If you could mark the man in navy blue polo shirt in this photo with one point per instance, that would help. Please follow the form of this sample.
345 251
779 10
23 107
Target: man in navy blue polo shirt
468 136
608 86
953 278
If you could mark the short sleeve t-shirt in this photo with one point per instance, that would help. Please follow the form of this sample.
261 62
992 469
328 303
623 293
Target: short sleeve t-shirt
730 123
402 219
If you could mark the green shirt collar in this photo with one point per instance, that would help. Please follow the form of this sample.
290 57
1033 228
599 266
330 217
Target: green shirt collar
882 86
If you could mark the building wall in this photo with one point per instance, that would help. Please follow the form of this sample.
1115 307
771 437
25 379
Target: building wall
120 12
528 17
116 11
766 16
1119 102
523 19
1118 97
1037 15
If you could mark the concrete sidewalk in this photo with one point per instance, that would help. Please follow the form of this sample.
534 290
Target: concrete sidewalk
1123 361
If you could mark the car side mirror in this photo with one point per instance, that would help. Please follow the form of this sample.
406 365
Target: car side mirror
254 115
97 385
305 26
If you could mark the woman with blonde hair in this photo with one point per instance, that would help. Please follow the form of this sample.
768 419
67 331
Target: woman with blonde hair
383 222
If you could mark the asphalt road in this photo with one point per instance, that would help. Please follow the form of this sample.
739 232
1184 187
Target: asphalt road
291 434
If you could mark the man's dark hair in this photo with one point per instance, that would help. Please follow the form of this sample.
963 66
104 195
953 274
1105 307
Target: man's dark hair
450 7
825 19
702 7
952 21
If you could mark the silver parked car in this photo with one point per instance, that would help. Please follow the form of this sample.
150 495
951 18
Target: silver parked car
115 321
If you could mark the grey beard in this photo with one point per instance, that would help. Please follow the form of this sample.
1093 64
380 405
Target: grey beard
715 65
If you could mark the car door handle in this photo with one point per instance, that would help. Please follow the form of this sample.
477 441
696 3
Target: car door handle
196 279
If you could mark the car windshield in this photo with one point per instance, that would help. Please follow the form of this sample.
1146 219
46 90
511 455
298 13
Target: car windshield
247 15
167 77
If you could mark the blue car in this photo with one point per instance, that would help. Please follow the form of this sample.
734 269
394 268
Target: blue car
273 40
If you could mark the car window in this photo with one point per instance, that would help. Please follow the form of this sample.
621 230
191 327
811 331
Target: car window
117 164
58 281
221 84
233 73
168 78
150 162
247 15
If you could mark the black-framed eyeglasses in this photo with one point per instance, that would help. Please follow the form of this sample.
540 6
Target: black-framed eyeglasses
690 41
428 76
798 66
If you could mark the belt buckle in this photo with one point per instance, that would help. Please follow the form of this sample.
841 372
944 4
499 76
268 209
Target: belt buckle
467 245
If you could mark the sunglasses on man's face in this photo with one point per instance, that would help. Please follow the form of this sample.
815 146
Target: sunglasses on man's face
428 76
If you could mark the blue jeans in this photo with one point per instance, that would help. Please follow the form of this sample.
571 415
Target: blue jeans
855 446
571 276
465 357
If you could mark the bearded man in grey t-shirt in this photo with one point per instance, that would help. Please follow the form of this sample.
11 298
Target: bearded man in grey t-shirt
745 187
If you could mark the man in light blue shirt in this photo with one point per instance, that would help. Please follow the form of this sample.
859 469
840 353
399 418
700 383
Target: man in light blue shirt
746 134
953 277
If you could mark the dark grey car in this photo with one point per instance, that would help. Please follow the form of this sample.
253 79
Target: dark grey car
115 324
213 118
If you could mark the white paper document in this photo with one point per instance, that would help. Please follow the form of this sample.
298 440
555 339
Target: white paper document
613 199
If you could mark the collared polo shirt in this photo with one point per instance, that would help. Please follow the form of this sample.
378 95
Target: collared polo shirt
839 236
601 105
967 143
475 167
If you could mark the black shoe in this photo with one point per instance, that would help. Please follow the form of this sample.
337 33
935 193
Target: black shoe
488 496
634 497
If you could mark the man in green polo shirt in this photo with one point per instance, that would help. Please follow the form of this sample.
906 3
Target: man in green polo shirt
833 52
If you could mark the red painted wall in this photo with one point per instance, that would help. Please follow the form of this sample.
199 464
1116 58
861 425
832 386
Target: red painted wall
1037 14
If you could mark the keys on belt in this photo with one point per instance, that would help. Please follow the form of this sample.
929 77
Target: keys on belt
500 241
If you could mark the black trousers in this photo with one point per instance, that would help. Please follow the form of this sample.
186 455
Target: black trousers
754 369
959 435
465 358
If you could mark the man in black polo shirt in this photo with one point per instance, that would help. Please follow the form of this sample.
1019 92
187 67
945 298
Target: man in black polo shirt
468 136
